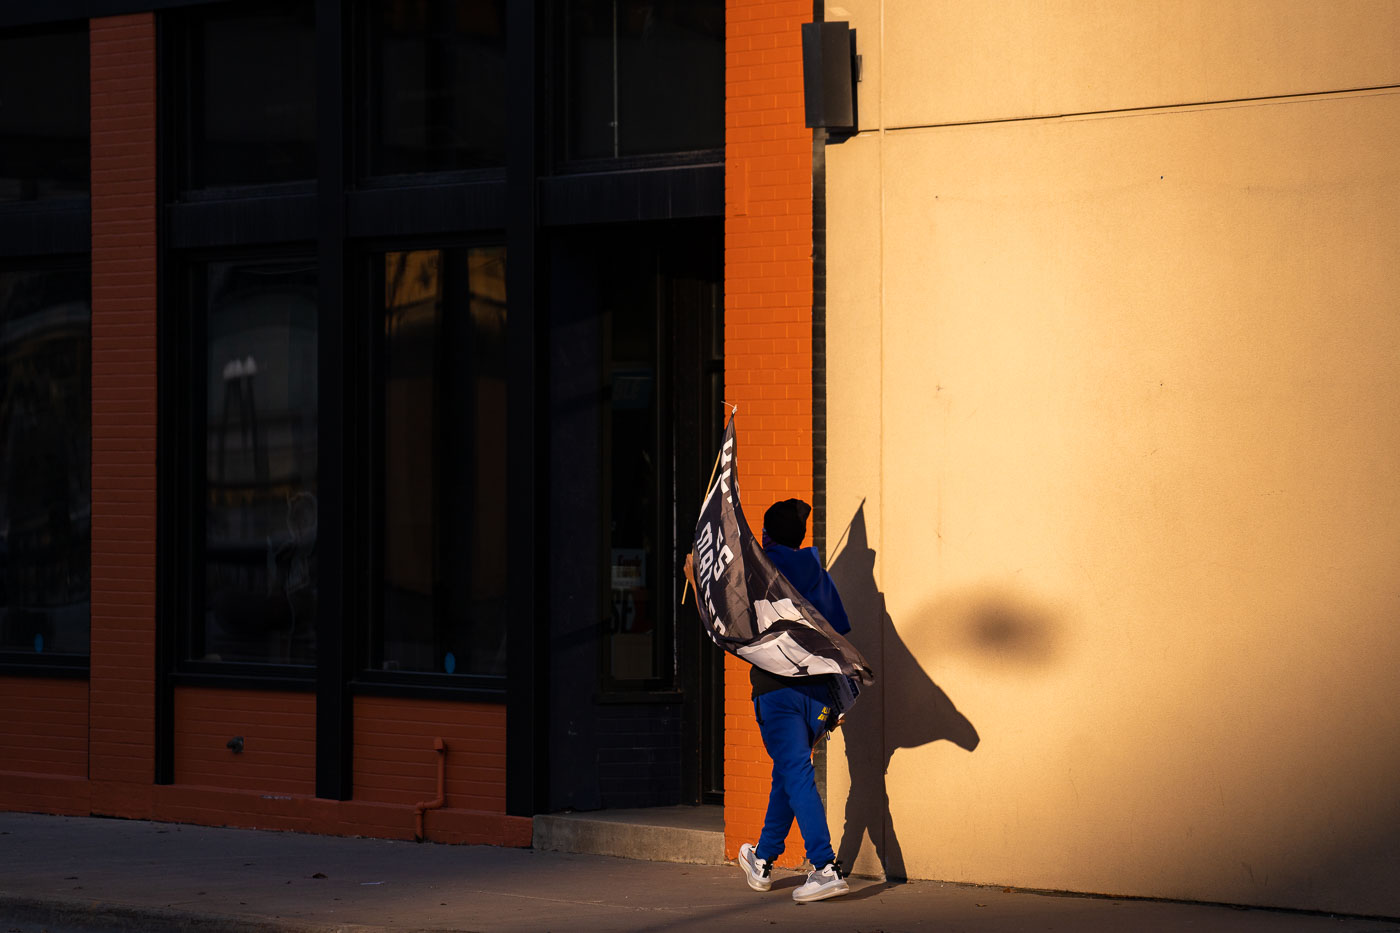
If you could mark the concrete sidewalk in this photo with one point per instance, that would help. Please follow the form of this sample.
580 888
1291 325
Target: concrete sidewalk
76 875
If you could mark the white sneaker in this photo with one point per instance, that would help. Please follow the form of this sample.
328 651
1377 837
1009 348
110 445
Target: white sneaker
757 872
827 881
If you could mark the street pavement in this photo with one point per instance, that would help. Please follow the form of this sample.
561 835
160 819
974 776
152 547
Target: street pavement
80 875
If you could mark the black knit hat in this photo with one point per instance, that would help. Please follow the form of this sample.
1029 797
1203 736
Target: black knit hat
786 522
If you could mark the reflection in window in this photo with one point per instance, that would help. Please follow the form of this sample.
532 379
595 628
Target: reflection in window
260 464
45 461
642 77
43 115
443 361
249 117
433 87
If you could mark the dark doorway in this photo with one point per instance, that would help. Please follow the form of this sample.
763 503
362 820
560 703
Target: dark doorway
636 690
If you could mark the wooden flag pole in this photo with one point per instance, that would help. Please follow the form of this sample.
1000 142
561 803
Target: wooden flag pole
734 410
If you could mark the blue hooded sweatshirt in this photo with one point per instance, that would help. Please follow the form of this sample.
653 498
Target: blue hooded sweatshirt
804 570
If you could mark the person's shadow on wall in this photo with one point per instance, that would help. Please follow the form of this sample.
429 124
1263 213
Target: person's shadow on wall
902 709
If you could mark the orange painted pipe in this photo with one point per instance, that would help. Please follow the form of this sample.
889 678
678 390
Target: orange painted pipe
440 747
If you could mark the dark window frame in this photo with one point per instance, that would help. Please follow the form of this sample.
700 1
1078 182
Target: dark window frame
48 234
179 32
183 352
675 404
366 316
76 27
557 106
26 663
361 85
663 686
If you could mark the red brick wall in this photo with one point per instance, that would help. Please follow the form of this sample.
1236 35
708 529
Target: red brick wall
122 738
44 745
279 740
271 784
767 325
42 736
44 729
395 761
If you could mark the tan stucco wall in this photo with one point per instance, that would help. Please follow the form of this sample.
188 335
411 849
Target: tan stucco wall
1115 400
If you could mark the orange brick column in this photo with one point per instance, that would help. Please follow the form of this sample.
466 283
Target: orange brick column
767 326
122 694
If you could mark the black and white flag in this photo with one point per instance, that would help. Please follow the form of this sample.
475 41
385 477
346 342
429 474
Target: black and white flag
749 608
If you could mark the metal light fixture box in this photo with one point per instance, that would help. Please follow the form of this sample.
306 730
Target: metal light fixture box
828 75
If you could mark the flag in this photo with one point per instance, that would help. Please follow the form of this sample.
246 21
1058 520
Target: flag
749 608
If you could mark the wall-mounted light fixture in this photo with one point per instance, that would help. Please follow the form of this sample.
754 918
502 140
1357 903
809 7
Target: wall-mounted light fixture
830 69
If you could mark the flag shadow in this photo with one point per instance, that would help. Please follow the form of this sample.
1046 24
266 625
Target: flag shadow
904 708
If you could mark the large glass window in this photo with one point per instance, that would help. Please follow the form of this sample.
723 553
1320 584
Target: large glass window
641 77
441 579
248 104
433 86
45 460
259 414
43 114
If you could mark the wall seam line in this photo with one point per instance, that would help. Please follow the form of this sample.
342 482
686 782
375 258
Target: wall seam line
1380 90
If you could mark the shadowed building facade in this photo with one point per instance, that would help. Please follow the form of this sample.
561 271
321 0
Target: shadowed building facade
355 354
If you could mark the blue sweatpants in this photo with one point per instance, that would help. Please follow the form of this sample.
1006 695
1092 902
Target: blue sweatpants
789 721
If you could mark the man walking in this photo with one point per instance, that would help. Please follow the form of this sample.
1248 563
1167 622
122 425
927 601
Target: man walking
793 714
